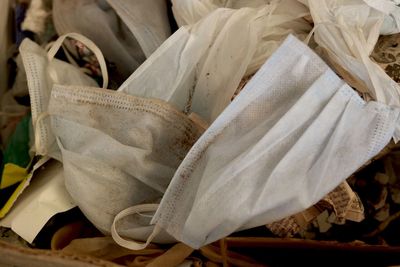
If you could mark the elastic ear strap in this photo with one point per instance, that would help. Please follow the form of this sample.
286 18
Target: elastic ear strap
89 44
130 244
66 52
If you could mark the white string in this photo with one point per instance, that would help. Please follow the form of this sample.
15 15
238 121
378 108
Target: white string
66 52
48 46
131 244
89 44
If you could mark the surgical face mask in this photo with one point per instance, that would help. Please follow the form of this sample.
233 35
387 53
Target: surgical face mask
118 151
42 71
213 55
293 134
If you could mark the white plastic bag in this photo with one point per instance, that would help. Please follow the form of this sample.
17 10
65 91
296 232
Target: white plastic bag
348 32
200 66
391 9
187 12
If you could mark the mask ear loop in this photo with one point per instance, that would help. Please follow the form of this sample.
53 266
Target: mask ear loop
66 52
131 244
52 50
89 44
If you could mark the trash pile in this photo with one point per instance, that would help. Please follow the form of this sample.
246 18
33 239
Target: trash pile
145 132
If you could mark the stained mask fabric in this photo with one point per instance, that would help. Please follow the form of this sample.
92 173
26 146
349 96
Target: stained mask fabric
347 31
118 151
291 136
213 55
42 71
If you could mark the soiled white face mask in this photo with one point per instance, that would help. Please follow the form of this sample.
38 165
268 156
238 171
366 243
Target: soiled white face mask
42 71
118 151
291 136
211 57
